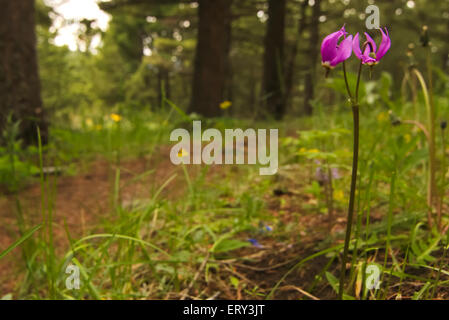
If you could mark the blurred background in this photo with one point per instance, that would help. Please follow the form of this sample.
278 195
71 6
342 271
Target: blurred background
262 56
90 91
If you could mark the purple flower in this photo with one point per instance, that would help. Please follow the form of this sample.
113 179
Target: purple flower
371 55
335 173
321 174
255 243
333 52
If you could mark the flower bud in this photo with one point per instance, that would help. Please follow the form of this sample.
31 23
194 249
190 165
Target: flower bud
424 39
395 121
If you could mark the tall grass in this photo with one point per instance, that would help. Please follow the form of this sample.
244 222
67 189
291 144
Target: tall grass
166 247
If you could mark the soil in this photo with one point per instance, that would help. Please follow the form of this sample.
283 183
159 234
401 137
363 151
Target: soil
81 202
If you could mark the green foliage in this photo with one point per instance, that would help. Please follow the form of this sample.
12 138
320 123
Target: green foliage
121 101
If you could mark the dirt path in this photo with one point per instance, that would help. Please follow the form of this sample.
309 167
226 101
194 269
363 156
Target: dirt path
82 201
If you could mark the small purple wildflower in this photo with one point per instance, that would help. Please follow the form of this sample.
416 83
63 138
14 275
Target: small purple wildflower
322 176
255 243
371 55
333 52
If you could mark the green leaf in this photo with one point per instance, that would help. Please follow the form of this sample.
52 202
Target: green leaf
333 281
226 245
20 241
234 281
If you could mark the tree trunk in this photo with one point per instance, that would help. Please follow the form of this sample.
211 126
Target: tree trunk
19 77
252 98
313 53
290 72
273 88
211 60
229 89
128 35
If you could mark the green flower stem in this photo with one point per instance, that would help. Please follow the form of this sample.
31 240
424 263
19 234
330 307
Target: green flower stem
346 81
433 135
355 161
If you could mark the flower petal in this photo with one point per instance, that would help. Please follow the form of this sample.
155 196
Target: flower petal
367 60
356 47
344 51
385 45
372 48
329 46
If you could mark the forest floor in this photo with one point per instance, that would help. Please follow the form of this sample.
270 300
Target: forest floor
82 202
76 207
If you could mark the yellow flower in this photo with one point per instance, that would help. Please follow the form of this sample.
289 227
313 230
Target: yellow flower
408 138
339 195
302 150
382 117
225 104
182 153
314 151
115 117
89 122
